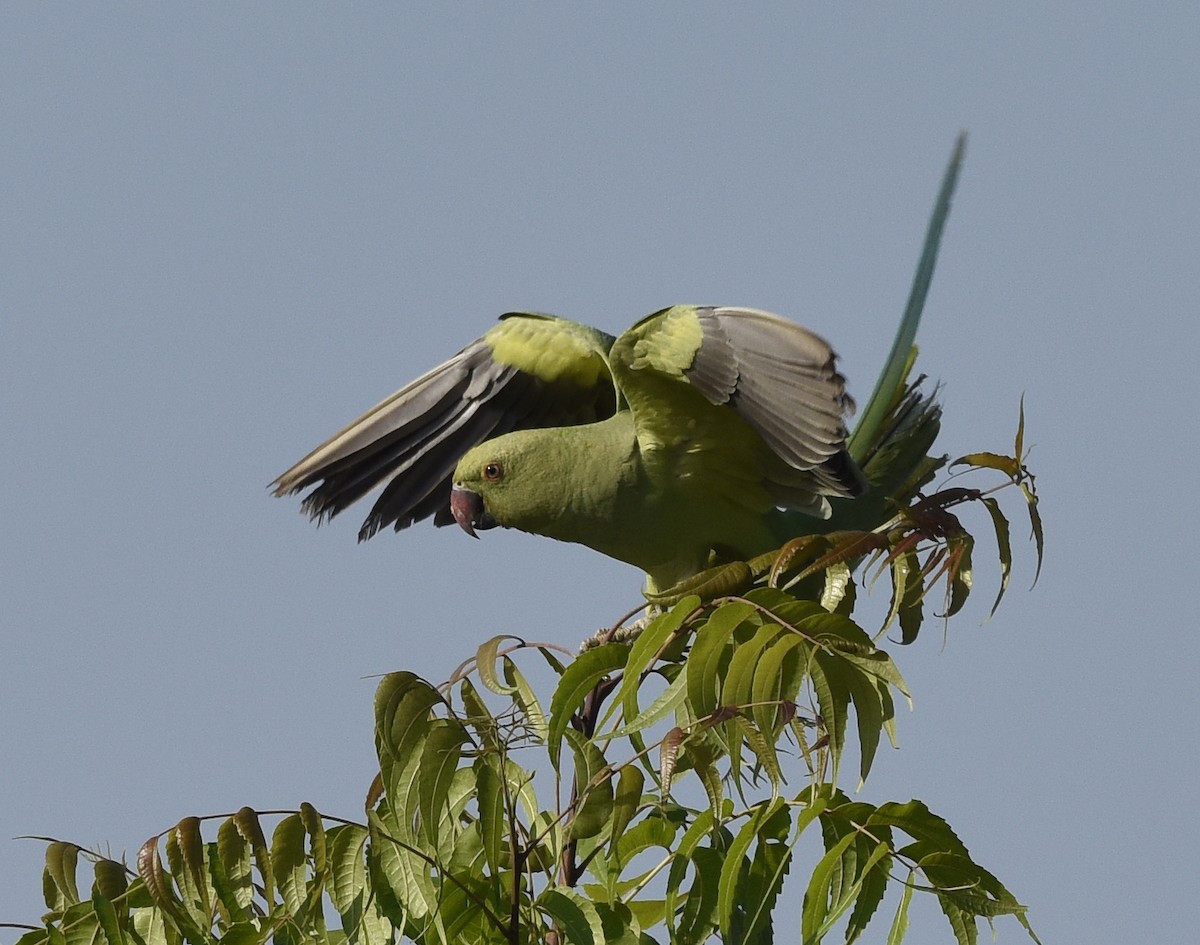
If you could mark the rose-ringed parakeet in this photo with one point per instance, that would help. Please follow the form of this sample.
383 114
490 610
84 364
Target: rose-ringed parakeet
702 433
699 432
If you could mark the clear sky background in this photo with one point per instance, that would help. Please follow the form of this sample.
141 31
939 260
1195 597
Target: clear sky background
226 230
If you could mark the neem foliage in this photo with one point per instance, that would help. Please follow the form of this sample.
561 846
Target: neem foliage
662 793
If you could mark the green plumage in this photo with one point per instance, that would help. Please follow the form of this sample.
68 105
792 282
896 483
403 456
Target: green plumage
700 434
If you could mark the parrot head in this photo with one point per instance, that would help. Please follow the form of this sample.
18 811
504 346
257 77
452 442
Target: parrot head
519 480
488 489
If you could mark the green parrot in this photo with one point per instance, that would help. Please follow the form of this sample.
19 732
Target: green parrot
699 432
702 434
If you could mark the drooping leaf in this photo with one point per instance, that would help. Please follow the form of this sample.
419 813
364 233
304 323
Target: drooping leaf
579 678
440 756
645 648
709 653
574 914
526 700
62 861
288 861
593 788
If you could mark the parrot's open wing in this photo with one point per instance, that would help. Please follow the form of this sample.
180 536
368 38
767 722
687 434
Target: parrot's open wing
776 376
531 370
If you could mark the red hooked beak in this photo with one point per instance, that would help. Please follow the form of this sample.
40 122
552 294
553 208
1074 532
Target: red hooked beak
467 508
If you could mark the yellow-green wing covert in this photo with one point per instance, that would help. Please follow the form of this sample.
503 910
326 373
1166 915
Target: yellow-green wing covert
529 371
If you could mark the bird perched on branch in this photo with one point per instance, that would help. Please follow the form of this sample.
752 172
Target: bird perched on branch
701 434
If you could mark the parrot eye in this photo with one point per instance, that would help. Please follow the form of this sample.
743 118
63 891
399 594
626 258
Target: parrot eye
493 472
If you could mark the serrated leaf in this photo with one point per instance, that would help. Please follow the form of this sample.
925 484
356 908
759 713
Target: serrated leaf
493 813
1035 523
649 643
833 700
738 688
593 788
62 861
574 914
526 700
666 702
768 869
439 761
916 820
1003 547
577 680
776 681
185 853
348 867
900 923
478 716
288 861
106 917
708 654
736 877
233 853
908 591
248 824
816 917
668 752
626 800
407 717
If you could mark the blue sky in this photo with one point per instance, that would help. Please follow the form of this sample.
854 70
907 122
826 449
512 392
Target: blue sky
227 230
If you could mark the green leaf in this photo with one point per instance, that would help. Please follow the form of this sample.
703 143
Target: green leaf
288 861
916 820
485 659
407 717
649 643
493 812
626 800
250 828
667 702
593 788
709 654
768 869
106 918
439 761
61 864
348 869
776 681
526 700
900 922
816 916
574 914
1008 465
961 576
185 853
738 882
833 698
908 591
478 716
579 678
1004 547
233 853
738 689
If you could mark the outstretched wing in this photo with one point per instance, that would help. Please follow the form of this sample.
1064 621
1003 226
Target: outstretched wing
776 376
531 370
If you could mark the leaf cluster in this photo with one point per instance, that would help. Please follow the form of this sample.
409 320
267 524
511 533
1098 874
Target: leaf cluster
663 793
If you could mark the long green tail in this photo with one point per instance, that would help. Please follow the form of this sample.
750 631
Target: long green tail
900 422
